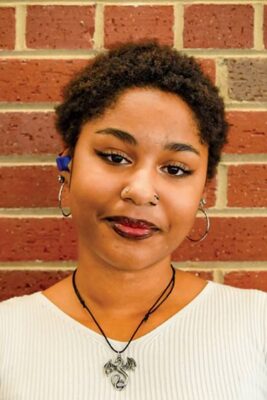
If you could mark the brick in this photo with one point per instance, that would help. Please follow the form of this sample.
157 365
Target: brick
28 133
229 239
48 239
210 192
30 186
208 67
265 27
247 133
247 186
7 28
247 79
129 23
36 80
247 279
225 26
19 283
43 80
60 27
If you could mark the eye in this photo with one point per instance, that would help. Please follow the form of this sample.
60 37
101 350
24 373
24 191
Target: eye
113 157
177 170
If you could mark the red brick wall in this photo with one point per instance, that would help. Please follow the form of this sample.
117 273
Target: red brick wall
41 46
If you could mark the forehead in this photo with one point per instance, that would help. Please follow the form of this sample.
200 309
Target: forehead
152 111
152 116
150 97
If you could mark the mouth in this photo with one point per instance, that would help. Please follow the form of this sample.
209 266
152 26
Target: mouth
131 228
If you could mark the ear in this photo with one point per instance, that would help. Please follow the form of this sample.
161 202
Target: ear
64 163
205 190
204 193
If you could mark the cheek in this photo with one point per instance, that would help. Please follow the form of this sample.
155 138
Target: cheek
183 209
92 191
184 215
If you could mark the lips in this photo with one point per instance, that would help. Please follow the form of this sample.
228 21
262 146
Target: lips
132 228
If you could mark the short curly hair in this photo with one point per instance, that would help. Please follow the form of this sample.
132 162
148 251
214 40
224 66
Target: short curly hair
145 64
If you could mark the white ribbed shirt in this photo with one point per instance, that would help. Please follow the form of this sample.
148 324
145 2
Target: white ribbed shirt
215 348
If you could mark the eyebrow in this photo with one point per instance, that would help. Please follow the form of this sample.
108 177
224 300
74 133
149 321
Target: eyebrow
119 134
130 139
181 147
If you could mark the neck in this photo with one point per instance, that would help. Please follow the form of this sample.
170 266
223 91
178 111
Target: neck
126 291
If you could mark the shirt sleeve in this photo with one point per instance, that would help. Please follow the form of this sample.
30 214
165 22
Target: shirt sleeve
260 320
265 329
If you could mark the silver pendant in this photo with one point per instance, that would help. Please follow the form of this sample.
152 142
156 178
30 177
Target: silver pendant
117 371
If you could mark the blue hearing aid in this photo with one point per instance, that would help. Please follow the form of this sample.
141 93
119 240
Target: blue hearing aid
63 162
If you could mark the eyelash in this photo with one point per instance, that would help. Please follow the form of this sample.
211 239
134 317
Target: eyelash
105 155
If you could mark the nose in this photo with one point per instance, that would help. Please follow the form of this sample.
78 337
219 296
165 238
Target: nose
139 189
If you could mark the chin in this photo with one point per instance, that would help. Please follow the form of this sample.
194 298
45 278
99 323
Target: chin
133 261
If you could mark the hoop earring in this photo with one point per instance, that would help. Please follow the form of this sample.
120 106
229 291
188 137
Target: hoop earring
202 209
61 180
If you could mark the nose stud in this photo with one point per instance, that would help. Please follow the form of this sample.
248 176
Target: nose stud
153 202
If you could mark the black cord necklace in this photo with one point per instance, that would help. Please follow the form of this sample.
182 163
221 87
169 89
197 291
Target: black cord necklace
117 369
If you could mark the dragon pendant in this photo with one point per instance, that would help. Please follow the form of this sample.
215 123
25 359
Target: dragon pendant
116 370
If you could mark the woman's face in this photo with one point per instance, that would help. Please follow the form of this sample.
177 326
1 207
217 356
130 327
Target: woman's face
147 144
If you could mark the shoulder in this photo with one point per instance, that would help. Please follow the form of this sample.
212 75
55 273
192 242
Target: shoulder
242 307
19 310
250 300
237 307
19 302
249 297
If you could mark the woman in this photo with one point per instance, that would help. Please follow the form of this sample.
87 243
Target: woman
143 129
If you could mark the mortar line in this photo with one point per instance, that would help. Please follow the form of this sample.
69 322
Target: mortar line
53 212
258 27
38 213
236 159
237 163
239 2
26 160
218 277
247 106
222 183
178 26
44 107
229 53
99 27
49 159
38 266
89 53
45 54
49 2
25 110
49 107
20 28
222 265
232 266
238 212
168 2
128 2
222 78
26 107
254 270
